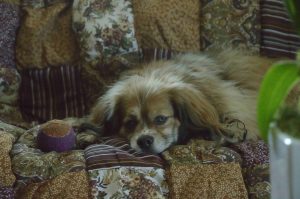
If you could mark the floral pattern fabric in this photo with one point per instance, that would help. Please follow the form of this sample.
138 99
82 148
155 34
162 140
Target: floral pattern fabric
200 168
9 85
128 182
230 24
30 164
39 3
9 88
67 186
105 44
105 28
257 180
117 171
15 131
106 36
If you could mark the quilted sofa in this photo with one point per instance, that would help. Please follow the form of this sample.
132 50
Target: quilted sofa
58 56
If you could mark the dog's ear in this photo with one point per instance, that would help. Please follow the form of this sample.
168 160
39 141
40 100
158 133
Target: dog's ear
112 123
195 112
108 115
98 113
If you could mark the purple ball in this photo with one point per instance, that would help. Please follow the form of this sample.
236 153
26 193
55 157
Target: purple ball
56 135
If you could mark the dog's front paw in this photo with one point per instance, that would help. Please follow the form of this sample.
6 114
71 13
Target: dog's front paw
88 134
89 127
234 130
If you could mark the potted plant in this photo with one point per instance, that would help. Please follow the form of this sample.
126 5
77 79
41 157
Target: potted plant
279 123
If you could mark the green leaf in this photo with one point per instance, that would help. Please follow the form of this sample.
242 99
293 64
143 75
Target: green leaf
293 7
276 85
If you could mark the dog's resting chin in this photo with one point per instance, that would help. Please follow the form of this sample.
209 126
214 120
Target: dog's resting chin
157 104
157 147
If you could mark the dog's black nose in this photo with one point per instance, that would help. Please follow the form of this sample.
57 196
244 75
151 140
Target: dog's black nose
145 141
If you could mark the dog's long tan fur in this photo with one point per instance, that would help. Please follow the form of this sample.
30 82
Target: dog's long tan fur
204 87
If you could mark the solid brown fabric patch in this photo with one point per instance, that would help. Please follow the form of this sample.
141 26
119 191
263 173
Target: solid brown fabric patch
206 181
171 24
7 177
45 37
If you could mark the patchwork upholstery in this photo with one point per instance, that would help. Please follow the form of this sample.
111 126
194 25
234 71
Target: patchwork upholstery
47 54
66 61
115 169
204 165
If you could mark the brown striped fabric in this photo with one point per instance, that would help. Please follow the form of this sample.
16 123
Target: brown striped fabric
154 54
52 93
278 36
116 152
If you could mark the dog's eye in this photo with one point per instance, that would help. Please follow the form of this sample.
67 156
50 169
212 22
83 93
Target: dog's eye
130 124
160 120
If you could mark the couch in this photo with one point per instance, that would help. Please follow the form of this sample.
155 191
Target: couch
58 56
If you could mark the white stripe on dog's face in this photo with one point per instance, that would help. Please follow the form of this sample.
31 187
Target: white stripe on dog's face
149 123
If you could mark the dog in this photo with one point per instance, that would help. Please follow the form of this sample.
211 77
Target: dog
168 102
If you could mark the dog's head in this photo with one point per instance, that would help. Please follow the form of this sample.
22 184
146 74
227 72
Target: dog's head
154 111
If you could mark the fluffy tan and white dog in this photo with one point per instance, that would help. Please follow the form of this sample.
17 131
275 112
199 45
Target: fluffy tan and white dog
168 102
